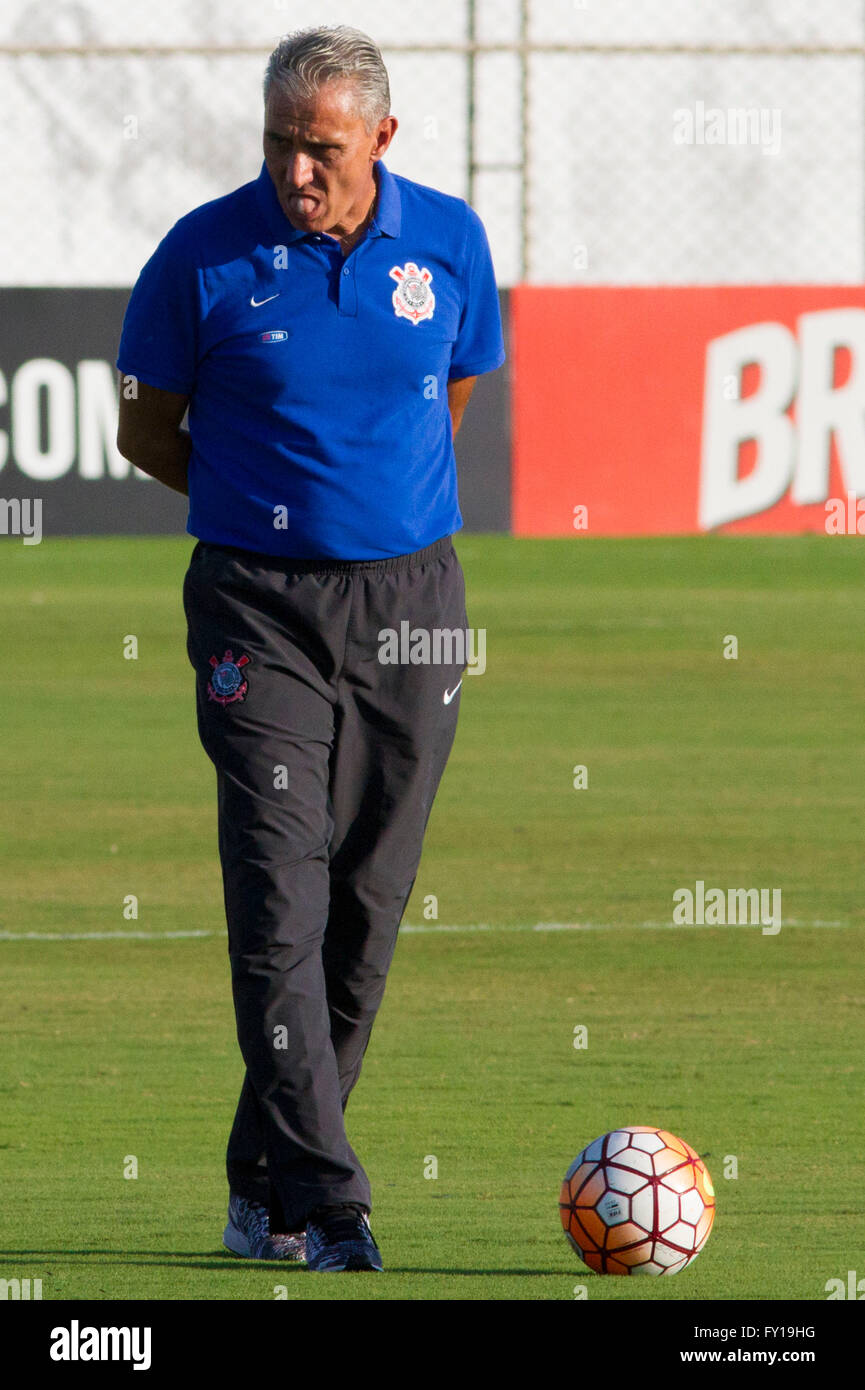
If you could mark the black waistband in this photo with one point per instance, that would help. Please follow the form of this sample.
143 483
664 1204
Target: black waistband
326 564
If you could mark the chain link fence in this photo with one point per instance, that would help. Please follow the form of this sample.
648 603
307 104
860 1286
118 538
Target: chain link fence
602 141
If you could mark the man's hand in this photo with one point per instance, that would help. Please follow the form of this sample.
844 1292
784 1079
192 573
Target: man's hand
458 398
149 434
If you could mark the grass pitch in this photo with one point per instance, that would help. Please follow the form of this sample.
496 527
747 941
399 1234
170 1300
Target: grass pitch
554 909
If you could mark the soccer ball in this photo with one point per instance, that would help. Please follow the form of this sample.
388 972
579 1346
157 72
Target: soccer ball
637 1201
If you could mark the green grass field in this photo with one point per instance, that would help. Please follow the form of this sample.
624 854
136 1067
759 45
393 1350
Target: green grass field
742 773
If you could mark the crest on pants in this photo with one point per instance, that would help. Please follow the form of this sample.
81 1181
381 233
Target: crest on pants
227 682
412 299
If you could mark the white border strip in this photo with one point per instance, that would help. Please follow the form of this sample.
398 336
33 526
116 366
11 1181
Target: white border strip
104 935
426 929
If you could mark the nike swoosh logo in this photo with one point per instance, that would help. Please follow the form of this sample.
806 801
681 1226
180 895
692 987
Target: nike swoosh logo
449 694
257 303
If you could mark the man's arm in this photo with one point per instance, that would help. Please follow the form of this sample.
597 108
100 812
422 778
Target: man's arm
149 434
458 398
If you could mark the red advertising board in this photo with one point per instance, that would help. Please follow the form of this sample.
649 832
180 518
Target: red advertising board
684 410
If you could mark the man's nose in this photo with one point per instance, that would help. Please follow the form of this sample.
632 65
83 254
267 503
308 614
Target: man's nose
299 170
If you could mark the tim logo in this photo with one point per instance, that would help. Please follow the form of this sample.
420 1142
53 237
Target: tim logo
279 335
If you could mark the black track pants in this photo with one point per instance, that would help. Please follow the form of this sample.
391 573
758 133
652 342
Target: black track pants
327 761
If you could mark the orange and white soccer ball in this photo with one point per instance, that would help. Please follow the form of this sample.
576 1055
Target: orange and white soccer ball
637 1201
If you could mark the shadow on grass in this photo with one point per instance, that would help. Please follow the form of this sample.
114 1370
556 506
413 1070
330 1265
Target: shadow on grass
223 1259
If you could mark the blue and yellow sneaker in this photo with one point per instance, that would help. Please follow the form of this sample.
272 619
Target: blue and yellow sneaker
338 1238
248 1233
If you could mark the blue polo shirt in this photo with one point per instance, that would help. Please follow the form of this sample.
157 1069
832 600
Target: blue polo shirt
318 406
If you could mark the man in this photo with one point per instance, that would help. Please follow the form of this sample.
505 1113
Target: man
324 325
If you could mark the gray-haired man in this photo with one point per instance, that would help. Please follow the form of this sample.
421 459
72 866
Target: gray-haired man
325 325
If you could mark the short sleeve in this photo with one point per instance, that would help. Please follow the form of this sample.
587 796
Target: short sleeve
480 343
159 339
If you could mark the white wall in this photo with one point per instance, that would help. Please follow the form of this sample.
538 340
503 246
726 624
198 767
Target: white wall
612 198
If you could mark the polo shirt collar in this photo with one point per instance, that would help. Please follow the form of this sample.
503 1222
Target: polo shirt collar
388 215
386 222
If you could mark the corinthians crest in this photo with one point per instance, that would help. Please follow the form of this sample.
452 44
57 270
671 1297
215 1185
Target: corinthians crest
412 299
227 683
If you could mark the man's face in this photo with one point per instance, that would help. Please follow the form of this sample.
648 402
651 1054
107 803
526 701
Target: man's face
320 156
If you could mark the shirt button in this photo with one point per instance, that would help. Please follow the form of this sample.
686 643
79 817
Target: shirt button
346 270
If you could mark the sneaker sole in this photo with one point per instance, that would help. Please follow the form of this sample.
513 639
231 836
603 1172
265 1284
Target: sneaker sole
352 1265
235 1241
